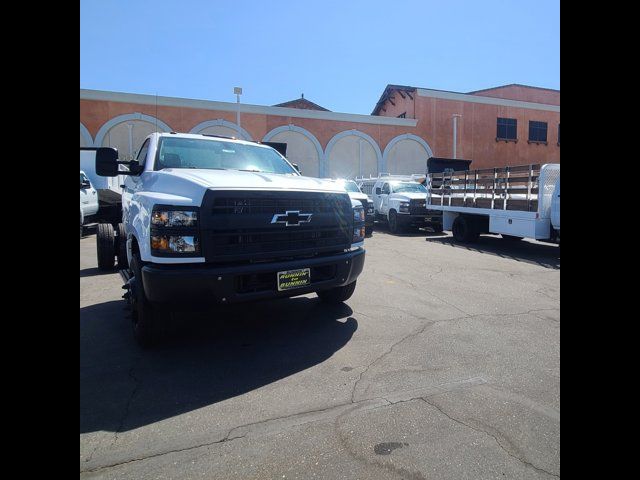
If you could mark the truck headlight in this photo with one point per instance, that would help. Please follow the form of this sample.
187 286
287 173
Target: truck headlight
174 218
358 214
174 244
174 231
404 207
370 208
358 224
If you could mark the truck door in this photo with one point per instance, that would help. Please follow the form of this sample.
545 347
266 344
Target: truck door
384 208
555 207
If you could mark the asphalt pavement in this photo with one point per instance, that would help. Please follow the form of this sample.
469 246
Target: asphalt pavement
444 364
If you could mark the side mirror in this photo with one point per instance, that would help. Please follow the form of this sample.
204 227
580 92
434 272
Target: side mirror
378 190
107 162
295 165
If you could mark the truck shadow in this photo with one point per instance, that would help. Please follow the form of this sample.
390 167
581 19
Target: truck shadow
543 254
383 228
209 358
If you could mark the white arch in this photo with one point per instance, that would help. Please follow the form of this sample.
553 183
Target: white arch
124 118
356 133
86 135
306 133
220 122
405 136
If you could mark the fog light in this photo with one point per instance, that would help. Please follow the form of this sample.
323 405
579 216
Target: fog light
175 244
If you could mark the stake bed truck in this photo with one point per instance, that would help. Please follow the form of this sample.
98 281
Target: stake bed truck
516 202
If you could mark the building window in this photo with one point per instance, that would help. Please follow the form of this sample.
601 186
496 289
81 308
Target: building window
559 135
507 130
403 115
537 132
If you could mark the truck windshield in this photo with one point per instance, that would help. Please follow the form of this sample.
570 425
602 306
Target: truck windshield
219 155
409 187
351 186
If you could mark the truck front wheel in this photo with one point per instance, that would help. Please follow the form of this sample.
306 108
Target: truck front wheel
121 240
393 222
143 315
337 294
464 230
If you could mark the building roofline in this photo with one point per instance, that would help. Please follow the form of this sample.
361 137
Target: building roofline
468 96
515 85
110 96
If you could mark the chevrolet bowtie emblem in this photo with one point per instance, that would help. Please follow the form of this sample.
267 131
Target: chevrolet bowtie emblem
291 218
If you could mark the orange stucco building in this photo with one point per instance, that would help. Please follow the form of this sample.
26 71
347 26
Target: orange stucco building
408 125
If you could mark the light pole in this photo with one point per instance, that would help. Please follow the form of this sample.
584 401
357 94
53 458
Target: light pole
455 132
238 92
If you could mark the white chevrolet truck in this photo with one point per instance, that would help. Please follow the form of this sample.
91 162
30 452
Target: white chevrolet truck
401 201
209 219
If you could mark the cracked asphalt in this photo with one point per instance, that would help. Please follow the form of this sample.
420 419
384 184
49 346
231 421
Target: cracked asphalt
443 365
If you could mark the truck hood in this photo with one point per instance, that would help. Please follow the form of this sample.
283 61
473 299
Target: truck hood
232 179
408 196
358 196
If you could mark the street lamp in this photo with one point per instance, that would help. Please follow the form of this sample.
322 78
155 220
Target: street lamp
455 132
238 92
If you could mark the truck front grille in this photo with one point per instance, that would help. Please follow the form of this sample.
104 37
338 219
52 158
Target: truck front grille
237 226
417 207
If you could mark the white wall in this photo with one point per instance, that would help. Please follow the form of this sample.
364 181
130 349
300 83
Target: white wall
348 159
300 150
407 156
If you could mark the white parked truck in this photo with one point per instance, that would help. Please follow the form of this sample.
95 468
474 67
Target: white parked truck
109 190
517 202
355 193
209 219
401 201
88 200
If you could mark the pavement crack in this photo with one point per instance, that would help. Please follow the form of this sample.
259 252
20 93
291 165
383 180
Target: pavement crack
387 352
226 438
134 391
495 438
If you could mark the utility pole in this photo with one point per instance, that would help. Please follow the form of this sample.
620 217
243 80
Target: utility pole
238 92
455 133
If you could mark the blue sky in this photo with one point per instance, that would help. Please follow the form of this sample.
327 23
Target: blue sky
340 54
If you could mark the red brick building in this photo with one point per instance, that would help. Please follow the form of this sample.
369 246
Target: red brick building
408 125
494 126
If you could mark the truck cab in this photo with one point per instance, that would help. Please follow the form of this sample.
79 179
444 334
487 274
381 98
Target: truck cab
215 220
402 202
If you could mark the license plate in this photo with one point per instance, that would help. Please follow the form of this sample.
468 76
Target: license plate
294 279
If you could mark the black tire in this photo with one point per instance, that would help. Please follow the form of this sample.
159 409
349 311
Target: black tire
464 230
511 238
393 222
105 243
368 231
437 227
337 294
143 316
121 241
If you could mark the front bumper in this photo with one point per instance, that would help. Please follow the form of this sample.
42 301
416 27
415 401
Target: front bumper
369 220
205 284
406 219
